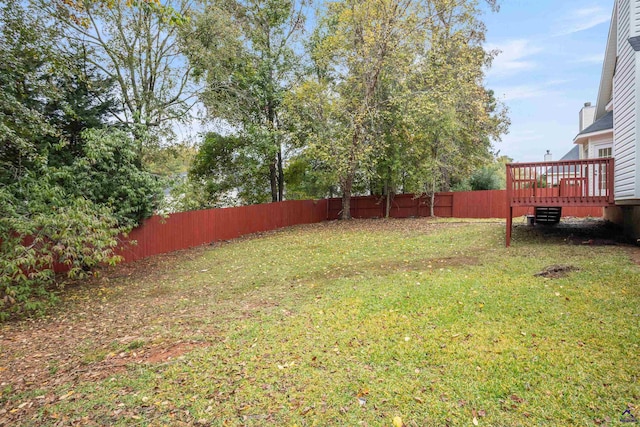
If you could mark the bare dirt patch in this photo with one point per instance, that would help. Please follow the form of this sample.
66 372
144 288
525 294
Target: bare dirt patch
634 254
556 271
164 354
427 264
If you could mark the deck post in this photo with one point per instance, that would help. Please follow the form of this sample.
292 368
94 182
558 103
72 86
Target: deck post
610 187
509 221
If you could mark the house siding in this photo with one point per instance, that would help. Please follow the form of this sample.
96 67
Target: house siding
635 19
597 142
625 94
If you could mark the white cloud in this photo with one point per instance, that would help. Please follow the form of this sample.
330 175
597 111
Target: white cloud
528 91
583 19
513 57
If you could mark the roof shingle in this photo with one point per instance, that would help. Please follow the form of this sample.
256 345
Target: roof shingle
603 123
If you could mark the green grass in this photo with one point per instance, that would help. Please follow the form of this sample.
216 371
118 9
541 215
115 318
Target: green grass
355 324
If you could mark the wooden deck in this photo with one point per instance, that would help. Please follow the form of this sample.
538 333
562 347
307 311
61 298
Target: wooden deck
586 182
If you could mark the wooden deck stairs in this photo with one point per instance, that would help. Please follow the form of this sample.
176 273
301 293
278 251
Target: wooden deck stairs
548 215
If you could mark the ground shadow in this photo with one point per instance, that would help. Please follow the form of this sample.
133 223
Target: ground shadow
577 231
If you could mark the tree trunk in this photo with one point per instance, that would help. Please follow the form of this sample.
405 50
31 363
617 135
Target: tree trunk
346 198
280 176
432 199
388 198
432 203
273 179
446 179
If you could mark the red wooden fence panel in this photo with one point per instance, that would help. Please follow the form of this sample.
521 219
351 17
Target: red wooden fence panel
188 229
464 204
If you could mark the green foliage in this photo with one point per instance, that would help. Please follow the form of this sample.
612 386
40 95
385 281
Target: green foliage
244 52
485 179
171 161
41 226
490 176
26 62
84 100
228 168
48 219
107 168
68 185
308 178
187 194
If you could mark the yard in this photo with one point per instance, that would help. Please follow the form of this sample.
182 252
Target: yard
379 323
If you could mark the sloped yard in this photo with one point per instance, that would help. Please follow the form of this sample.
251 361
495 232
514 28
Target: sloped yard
374 323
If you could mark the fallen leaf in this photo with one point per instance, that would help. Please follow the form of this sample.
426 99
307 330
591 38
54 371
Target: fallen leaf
397 422
516 398
64 396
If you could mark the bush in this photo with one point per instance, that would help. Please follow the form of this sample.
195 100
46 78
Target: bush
485 179
70 215
107 166
37 234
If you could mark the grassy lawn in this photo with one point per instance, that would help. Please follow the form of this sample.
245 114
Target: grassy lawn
372 323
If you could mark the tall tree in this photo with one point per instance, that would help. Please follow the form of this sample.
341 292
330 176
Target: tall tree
359 45
399 84
27 59
245 52
227 173
84 100
451 117
135 44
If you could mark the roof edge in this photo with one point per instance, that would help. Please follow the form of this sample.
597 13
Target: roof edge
581 136
605 91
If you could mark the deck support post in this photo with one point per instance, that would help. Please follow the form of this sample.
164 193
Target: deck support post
509 222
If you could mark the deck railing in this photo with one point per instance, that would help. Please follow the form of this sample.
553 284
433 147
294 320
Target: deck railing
586 182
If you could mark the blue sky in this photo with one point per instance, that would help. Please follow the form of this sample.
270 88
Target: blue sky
550 65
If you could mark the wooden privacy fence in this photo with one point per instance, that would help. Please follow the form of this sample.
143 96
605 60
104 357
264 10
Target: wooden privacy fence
183 230
464 204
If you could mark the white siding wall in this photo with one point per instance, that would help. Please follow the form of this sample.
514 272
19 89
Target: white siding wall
635 18
624 113
598 142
